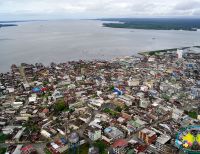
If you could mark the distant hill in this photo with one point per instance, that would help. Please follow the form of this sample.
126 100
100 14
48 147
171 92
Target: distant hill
153 23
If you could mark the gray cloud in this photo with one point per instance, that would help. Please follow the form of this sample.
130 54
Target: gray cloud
96 8
188 5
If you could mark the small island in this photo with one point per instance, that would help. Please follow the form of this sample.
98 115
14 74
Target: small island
154 23
7 25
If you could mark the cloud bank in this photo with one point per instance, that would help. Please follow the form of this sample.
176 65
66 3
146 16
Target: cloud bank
52 9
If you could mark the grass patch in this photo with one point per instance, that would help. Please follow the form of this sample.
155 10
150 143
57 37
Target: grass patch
2 150
47 151
3 138
83 149
102 146
111 112
192 114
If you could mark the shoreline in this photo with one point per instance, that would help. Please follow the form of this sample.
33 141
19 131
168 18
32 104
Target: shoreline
140 53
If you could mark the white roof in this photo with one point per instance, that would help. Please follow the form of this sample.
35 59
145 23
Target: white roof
132 141
44 132
32 99
55 146
18 149
17 103
19 133
163 139
11 90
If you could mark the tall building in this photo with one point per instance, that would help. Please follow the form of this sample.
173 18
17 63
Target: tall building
148 136
179 53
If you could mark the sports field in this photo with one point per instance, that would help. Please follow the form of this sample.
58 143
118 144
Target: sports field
189 139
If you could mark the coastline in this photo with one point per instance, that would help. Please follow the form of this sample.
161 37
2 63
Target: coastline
140 53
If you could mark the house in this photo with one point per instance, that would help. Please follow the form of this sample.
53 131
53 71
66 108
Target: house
195 92
113 133
44 113
144 103
85 118
45 133
133 82
57 94
95 123
32 99
93 150
119 146
177 113
17 104
133 125
127 100
96 102
28 150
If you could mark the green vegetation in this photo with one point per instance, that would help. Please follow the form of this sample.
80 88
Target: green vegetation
94 96
112 88
45 83
158 52
111 112
126 108
155 24
182 95
166 97
30 126
60 106
2 150
193 114
83 149
102 146
3 137
47 151
118 109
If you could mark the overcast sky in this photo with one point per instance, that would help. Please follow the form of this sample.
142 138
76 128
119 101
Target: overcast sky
58 9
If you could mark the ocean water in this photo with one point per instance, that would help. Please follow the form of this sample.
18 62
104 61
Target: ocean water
64 40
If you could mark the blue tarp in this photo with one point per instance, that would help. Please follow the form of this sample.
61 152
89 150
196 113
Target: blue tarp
36 89
119 92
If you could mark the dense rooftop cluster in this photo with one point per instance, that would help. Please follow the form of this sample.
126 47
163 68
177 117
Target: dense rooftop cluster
127 105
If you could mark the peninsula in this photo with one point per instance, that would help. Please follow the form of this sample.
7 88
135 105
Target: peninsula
153 23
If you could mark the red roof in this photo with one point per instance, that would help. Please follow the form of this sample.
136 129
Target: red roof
141 148
26 148
120 143
44 89
45 111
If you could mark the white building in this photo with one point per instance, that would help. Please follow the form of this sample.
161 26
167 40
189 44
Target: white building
45 133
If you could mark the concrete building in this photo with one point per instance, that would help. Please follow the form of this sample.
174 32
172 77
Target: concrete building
147 135
161 141
94 134
113 133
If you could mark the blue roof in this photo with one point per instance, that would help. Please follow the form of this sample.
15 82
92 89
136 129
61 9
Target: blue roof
107 129
64 141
